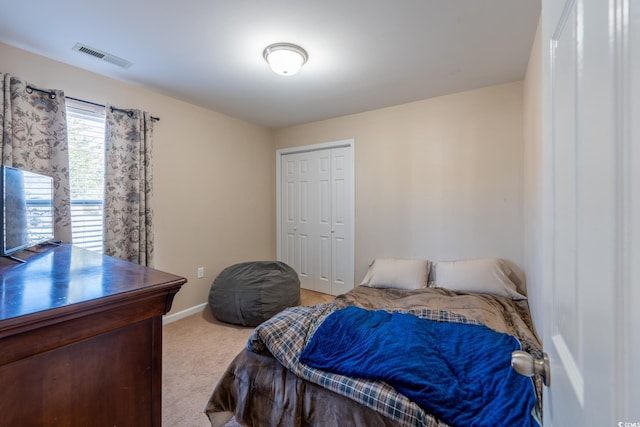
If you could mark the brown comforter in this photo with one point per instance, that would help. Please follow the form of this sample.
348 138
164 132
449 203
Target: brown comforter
259 391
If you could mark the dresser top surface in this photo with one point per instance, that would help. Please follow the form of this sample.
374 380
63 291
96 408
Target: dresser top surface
66 275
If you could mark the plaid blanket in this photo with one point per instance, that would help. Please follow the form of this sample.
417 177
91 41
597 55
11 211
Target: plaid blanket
286 334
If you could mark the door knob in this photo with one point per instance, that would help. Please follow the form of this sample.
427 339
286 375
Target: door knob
295 228
527 365
333 231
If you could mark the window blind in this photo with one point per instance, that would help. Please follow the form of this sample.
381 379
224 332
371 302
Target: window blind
86 127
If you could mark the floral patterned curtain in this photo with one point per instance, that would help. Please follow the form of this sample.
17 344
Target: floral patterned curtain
33 125
128 222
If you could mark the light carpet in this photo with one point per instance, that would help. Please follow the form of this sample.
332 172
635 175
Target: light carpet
196 352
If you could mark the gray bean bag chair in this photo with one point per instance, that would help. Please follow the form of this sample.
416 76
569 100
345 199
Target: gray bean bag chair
251 292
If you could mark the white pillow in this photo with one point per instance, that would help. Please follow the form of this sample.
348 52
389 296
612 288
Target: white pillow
398 273
484 275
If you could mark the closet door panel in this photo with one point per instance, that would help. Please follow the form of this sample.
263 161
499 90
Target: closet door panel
316 217
322 227
341 223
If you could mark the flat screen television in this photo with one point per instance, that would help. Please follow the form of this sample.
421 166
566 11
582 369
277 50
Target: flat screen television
27 209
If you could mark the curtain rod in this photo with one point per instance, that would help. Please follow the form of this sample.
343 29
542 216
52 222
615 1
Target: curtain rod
52 95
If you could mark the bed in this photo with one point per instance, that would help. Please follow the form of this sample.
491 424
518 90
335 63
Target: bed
292 372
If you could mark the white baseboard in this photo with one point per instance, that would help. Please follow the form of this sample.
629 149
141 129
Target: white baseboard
184 313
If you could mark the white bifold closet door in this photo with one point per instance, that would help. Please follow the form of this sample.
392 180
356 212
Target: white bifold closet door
316 226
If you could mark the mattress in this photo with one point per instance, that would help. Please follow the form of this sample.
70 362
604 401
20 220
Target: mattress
266 385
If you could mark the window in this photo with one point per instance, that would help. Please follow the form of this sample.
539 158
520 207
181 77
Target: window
85 128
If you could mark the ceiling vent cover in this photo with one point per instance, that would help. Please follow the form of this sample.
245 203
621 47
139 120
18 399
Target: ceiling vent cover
104 56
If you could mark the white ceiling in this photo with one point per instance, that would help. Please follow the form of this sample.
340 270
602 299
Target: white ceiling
363 54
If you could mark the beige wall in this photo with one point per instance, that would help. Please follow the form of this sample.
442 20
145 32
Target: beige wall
214 188
533 179
438 179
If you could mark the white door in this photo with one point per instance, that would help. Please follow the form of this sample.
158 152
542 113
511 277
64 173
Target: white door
315 221
322 237
297 178
341 220
589 258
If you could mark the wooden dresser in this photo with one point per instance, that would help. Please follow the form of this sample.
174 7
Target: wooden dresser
81 340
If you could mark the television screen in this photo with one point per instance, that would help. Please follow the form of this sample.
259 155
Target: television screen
27 209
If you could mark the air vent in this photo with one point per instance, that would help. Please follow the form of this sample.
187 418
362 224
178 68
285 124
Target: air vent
96 53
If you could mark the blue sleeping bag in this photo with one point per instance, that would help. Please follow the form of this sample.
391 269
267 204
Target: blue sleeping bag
461 373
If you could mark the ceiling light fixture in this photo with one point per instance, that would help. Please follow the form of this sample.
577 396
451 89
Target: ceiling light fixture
285 59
